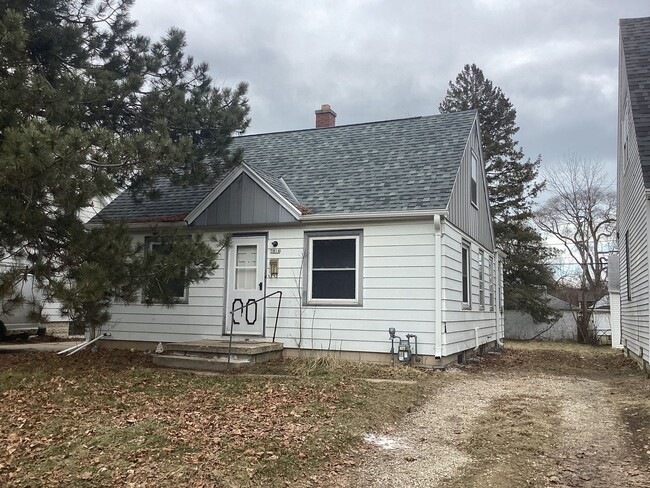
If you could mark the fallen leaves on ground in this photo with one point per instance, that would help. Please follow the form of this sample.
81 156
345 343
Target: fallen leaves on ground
109 419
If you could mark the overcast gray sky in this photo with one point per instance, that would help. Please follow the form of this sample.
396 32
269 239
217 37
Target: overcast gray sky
380 59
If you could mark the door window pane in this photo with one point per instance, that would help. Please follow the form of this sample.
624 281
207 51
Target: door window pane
246 268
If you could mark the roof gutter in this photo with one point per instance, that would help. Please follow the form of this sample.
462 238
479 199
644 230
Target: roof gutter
407 214
142 225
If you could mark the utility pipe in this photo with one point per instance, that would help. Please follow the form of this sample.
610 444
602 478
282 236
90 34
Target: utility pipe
78 347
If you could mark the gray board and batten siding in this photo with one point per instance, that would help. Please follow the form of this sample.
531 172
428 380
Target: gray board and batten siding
244 202
472 219
633 183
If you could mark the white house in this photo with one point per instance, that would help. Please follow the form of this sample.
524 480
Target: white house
363 228
633 205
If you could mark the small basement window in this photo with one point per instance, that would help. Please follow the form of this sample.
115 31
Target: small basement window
333 268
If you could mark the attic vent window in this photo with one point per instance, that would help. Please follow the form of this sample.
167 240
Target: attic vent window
473 190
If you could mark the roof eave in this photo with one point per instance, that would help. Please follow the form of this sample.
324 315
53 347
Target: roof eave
145 225
389 215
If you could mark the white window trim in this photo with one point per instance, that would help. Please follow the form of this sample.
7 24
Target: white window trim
491 281
334 235
626 134
481 279
467 305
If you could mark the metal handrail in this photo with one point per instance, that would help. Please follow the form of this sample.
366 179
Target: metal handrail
232 317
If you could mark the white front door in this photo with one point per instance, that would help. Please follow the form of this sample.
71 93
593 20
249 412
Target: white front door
246 283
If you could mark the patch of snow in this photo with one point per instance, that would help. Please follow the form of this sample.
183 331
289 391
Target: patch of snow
384 442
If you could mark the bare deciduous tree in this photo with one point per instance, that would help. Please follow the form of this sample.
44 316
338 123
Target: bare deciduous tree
581 214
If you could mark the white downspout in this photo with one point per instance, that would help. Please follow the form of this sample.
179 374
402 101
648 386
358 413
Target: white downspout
499 308
437 228
476 339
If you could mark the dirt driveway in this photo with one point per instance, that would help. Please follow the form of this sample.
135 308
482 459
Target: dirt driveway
537 415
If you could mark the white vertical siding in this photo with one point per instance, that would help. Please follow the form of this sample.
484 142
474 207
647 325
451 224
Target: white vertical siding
398 291
459 322
632 220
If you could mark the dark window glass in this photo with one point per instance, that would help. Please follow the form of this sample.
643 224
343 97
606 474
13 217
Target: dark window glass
334 253
465 266
173 287
627 265
333 284
334 269
473 187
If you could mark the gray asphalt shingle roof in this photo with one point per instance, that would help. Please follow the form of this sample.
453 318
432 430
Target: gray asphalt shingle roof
395 165
635 35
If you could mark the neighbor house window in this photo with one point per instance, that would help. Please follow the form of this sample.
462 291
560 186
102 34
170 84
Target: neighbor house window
333 268
466 276
625 135
473 190
627 264
173 288
481 280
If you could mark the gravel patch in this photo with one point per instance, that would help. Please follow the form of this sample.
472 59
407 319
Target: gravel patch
429 448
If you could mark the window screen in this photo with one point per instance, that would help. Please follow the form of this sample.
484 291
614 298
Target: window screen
334 268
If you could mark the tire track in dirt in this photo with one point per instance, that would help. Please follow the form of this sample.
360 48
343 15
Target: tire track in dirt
507 430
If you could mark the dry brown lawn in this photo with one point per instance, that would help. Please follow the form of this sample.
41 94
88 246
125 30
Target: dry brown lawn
536 415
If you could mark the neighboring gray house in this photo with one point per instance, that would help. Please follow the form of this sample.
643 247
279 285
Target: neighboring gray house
614 288
633 205
521 326
363 228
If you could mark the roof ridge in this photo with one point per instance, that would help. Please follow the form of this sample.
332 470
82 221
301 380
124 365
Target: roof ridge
356 124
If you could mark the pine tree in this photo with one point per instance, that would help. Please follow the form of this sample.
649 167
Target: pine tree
513 185
88 108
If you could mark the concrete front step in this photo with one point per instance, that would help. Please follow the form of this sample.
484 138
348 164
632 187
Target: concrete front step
211 348
199 363
210 355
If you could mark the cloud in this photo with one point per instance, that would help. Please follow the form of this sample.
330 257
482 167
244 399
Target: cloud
374 60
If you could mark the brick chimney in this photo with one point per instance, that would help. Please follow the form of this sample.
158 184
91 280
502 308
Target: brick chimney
325 117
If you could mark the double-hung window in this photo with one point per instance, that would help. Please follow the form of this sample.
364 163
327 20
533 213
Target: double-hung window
333 268
466 277
491 281
627 265
481 279
168 288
